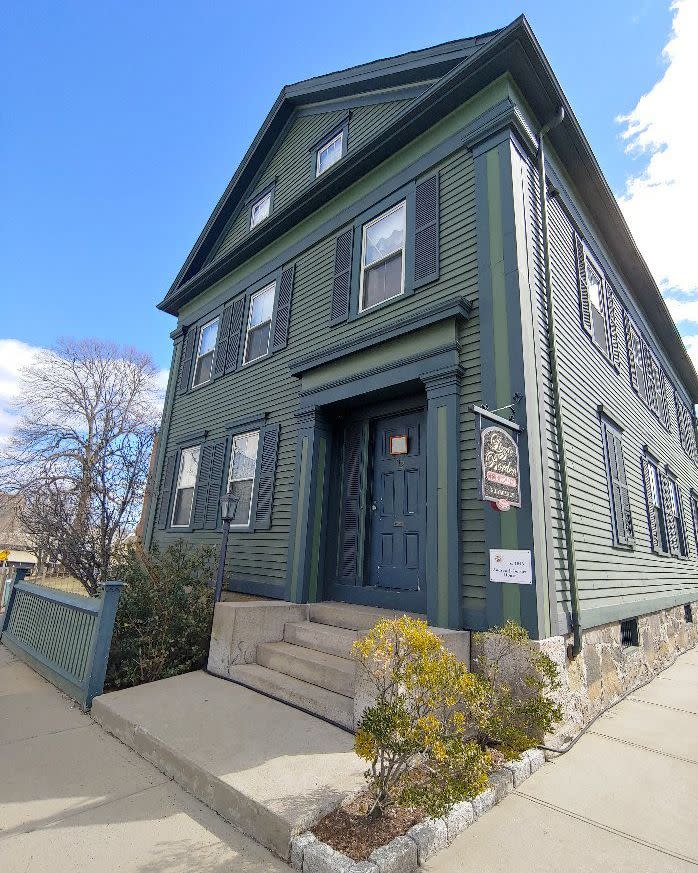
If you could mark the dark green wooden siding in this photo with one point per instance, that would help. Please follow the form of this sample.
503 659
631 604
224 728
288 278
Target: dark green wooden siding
291 163
613 581
268 387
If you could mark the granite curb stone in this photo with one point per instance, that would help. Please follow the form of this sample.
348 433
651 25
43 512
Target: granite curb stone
405 854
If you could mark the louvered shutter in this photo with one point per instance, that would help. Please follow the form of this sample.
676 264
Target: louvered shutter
651 518
184 377
234 334
620 498
215 484
669 519
221 353
198 515
615 322
664 399
682 519
584 305
351 505
283 311
633 364
269 439
341 285
426 231
165 493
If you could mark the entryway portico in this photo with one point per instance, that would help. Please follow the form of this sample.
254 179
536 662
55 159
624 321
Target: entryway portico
371 525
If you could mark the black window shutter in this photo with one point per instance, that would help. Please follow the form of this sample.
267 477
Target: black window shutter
234 334
651 517
222 343
664 399
633 364
184 378
426 231
682 520
341 285
620 498
215 484
283 310
269 439
669 518
198 515
165 494
615 322
351 505
584 305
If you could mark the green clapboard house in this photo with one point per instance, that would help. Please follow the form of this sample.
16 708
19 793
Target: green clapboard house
370 292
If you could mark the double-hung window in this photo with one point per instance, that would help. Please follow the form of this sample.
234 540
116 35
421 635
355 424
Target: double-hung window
259 323
597 307
243 466
203 365
186 483
617 486
260 210
677 517
383 257
655 507
329 153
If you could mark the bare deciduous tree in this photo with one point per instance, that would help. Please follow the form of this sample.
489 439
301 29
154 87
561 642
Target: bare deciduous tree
80 452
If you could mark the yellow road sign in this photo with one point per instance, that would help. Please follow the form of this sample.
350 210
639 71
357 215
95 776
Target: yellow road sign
4 555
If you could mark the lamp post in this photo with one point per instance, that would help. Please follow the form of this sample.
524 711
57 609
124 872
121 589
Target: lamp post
229 505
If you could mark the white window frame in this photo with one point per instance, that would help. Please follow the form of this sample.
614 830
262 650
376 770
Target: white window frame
401 205
590 262
261 291
256 203
203 327
177 487
338 137
237 436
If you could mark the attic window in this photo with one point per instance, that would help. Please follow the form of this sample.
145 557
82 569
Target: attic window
260 209
329 153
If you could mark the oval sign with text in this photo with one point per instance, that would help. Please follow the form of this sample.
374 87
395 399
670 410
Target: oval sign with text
500 477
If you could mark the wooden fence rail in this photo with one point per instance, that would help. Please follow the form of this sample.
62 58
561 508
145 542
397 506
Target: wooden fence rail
64 637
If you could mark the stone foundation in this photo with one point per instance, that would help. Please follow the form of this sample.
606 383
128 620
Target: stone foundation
604 670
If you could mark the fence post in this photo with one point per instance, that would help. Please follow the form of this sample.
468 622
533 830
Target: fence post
20 573
102 640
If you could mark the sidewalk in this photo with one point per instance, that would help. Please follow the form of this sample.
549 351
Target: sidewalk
74 798
623 800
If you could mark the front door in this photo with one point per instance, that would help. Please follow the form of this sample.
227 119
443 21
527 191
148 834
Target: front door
397 503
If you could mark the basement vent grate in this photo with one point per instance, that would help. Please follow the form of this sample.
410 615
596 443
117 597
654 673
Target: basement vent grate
628 633
688 613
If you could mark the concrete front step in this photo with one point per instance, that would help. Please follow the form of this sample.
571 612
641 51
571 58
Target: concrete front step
317 668
321 637
351 617
319 701
267 768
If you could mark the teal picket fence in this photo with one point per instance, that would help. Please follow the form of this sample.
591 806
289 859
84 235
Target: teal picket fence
64 637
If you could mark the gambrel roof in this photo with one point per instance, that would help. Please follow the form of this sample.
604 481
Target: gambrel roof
431 83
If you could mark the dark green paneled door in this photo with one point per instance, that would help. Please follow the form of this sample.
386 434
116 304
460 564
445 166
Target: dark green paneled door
397 505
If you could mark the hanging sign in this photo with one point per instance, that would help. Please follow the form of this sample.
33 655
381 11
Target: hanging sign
500 477
398 444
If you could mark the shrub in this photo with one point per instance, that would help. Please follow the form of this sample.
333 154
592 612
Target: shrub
163 623
427 706
520 709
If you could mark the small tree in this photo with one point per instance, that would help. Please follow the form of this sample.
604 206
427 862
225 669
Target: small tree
426 709
163 623
521 682
78 457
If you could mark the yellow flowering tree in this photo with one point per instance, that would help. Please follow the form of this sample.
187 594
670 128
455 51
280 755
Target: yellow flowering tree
418 733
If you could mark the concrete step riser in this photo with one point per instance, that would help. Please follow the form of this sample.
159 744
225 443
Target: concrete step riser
343 615
316 668
318 701
321 638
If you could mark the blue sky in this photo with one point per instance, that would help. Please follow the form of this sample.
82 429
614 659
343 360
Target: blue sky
123 122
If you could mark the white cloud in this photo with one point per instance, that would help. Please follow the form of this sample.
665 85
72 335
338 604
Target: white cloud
683 310
14 356
659 203
691 343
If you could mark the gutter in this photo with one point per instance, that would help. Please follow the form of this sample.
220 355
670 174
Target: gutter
557 404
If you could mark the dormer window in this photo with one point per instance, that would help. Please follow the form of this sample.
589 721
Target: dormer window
260 210
329 153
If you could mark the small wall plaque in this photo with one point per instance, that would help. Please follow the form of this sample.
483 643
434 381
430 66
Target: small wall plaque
398 444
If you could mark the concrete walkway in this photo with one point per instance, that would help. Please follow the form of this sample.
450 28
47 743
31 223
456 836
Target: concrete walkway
74 798
623 800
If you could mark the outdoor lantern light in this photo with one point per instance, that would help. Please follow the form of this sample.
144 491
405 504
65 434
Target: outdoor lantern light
229 505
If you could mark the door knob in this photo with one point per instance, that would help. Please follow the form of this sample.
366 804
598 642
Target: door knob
373 507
